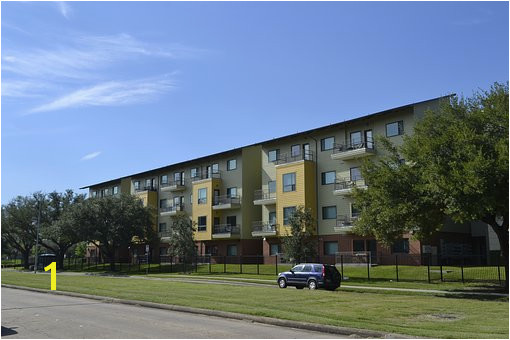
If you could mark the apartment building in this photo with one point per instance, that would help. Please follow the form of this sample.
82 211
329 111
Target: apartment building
241 199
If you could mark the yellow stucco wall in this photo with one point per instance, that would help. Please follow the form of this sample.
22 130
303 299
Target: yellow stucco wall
204 209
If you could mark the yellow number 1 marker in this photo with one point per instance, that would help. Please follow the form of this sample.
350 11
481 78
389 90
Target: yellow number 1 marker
53 267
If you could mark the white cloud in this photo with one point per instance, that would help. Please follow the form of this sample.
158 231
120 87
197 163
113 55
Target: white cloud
90 156
111 93
21 88
64 8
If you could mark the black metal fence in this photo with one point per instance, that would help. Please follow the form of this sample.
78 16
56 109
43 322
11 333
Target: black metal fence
355 267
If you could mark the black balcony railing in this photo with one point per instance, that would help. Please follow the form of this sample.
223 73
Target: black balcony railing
346 183
146 188
226 228
354 145
205 175
178 182
264 227
201 228
262 194
346 221
225 199
288 158
172 208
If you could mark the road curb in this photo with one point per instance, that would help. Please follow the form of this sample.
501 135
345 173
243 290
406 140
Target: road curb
353 332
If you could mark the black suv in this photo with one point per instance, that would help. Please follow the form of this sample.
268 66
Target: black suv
311 275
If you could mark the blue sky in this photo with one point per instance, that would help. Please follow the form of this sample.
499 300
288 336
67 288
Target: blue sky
98 90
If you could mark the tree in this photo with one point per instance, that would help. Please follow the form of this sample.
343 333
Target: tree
58 230
301 242
81 249
457 167
113 222
18 226
181 236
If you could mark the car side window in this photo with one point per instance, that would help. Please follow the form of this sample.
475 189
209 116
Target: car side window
308 268
298 268
317 268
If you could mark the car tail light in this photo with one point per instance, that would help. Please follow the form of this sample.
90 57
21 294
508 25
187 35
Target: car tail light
323 271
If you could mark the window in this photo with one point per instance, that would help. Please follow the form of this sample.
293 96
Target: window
178 177
106 192
355 138
137 185
115 190
395 129
327 143
178 201
163 203
287 213
273 155
202 223
330 247
356 174
190 198
289 182
232 250
329 213
307 268
401 246
232 164
274 249
271 185
202 196
358 245
193 172
164 179
328 177
295 150
231 220
162 251
147 183
298 268
272 217
94 193
162 227
354 211
232 192
215 168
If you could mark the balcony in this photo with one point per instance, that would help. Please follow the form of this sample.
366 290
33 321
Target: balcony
345 223
176 185
353 150
264 197
344 186
171 210
289 158
226 231
263 228
226 202
146 188
164 234
205 175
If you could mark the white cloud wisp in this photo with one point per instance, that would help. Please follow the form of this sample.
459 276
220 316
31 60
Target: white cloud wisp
90 156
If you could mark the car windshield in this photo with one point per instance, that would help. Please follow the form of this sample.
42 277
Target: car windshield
298 268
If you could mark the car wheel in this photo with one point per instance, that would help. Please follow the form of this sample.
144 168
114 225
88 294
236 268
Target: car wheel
312 284
282 283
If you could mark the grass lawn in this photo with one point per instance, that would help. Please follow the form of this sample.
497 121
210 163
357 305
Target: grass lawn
419 315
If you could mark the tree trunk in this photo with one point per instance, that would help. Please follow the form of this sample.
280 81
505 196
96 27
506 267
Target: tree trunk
26 255
60 260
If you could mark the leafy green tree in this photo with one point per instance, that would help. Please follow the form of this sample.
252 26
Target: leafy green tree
81 249
18 227
58 230
112 223
301 243
457 167
181 236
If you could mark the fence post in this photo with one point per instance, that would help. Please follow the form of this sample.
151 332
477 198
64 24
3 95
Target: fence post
428 266
171 263
241 264
148 265
196 263
396 265
258 262
209 264
82 264
129 266
368 266
499 272
462 269
139 268
441 268
96 263
224 264
276 263
342 265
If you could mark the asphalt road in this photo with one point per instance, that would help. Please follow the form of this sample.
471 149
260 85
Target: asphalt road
28 314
